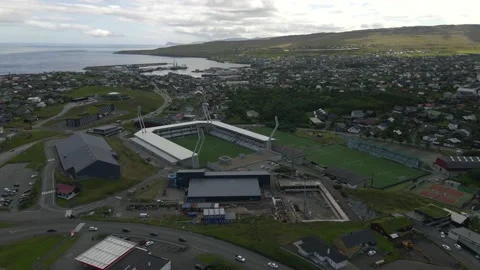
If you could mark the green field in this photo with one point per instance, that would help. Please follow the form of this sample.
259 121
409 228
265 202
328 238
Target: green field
384 172
134 170
146 98
212 149
34 156
27 136
41 250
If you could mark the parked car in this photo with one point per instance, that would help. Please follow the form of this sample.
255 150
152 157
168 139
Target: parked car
371 252
272 265
240 258
93 229
446 247
51 230
153 234
457 246
182 239
125 230
442 234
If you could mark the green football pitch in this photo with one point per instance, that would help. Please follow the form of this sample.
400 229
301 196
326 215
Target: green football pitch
212 149
384 172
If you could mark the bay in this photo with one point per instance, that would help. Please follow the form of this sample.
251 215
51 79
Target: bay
38 58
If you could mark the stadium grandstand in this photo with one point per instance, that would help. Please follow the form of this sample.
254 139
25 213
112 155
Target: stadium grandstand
381 152
156 140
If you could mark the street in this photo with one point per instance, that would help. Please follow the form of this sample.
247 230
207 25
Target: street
206 243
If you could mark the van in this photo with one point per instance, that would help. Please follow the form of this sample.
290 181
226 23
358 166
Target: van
143 215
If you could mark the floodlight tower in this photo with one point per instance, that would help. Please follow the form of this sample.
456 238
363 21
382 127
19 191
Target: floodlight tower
198 148
269 142
206 112
140 119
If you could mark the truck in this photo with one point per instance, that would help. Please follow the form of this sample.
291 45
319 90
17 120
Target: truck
143 215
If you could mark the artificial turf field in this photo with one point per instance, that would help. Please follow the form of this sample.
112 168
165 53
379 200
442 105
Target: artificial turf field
212 149
384 172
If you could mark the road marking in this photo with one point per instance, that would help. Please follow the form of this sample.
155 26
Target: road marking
79 227
204 250
48 192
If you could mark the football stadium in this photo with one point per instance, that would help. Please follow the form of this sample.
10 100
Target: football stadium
173 143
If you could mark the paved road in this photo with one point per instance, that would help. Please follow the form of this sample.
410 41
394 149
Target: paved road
64 110
461 255
204 243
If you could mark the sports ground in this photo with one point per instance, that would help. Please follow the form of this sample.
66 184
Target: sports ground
444 194
384 172
212 149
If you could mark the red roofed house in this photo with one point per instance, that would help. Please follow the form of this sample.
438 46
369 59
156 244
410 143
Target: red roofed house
66 192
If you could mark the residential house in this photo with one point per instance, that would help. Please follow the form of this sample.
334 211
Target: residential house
357 114
392 227
355 242
319 252
354 129
252 114
340 127
398 109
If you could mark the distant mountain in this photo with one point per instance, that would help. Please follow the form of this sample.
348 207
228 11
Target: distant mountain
169 44
441 38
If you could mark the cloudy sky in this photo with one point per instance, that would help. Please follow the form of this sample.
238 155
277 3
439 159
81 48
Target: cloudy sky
161 21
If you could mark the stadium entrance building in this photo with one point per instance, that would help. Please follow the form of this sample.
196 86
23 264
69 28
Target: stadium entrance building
221 190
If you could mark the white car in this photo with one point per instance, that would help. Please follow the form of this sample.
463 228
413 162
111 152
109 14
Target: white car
446 247
93 229
457 246
442 234
148 243
371 252
240 258
273 265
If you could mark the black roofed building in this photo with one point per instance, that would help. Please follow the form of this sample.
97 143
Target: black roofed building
458 163
86 156
183 177
355 242
216 190
346 177
319 252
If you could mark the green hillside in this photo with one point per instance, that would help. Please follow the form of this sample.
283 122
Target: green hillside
443 38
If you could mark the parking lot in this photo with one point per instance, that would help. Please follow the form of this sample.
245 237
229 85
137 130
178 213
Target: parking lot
16 184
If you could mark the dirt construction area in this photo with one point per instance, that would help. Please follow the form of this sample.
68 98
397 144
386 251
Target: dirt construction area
425 251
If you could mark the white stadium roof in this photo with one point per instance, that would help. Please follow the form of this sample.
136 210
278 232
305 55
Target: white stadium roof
242 131
173 149
105 253
149 138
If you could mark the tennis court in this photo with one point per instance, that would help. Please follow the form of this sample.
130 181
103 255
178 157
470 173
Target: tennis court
384 172
444 194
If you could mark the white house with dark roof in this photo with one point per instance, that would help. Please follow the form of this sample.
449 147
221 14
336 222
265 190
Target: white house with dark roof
319 252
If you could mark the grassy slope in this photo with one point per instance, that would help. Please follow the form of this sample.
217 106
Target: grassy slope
149 101
213 148
134 170
23 254
34 156
27 136
438 38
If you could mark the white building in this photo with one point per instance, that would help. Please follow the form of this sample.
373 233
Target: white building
34 99
316 250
